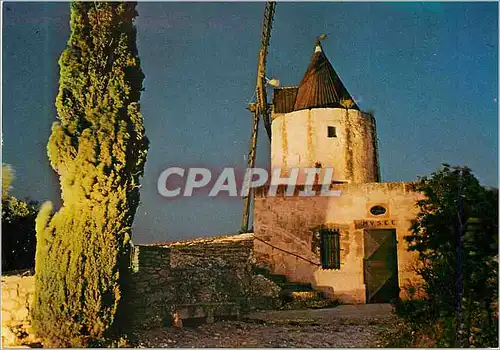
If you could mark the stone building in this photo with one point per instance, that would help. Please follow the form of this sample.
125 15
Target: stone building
350 246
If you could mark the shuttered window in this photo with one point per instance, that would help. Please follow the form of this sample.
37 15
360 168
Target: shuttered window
330 249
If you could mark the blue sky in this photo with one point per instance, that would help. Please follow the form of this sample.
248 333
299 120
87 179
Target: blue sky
429 71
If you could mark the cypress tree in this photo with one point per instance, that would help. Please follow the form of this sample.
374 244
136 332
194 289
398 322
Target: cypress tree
98 149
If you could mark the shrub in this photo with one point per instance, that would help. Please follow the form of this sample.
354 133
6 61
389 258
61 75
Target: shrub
98 148
18 227
456 237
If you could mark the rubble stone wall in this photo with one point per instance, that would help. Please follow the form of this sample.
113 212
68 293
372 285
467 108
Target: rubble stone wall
210 271
17 296
203 271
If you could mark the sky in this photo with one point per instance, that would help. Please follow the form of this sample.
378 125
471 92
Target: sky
428 71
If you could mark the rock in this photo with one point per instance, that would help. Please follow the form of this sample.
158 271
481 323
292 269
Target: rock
264 287
176 320
14 293
22 314
10 304
8 337
6 316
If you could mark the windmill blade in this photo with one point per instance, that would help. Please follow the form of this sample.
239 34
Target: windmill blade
266 118
261 93
261 108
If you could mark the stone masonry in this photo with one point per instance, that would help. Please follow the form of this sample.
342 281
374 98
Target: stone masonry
206 278
17 296
288 224
202 277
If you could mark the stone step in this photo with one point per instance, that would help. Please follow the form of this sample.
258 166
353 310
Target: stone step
301 295
295 295
305 300
260 271
278 279
297 286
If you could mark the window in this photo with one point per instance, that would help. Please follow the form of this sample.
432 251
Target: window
378 210
330 249
332 131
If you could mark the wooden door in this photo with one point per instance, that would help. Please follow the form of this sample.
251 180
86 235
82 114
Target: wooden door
380 265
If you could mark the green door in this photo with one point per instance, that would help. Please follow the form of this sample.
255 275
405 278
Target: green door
380 265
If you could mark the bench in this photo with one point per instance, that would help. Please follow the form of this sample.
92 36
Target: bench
204 310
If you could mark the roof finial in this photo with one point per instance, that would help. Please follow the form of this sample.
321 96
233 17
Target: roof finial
318 47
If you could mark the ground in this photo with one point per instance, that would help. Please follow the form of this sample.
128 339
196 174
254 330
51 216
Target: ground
343 326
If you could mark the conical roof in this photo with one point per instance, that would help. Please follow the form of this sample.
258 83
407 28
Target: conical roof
321 86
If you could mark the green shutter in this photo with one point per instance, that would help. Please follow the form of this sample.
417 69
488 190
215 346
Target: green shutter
330 249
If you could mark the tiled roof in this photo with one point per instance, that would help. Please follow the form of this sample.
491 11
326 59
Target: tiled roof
321 86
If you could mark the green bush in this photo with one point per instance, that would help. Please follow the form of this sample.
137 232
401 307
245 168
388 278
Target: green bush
456 237
98 148
18 227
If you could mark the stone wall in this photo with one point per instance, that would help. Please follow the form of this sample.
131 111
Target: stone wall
202 271
17 296
210 271
288 224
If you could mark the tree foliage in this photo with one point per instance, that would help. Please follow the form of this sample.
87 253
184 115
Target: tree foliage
7 179
98 148
18 227
456 237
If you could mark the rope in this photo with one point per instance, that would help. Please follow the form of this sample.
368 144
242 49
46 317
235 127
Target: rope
285 251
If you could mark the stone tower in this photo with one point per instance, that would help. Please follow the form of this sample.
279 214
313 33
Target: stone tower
318 124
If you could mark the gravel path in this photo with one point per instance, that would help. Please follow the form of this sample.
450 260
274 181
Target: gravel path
363 313
343 326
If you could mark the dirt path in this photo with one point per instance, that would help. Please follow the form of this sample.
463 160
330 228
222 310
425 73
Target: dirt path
360 313
343 326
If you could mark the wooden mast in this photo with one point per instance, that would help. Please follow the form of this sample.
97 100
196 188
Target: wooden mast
260 108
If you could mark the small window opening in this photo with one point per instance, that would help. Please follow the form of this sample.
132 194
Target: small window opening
330 249
377 210
332 131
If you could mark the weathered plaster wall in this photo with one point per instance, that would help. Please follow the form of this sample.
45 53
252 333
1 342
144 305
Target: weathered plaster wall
17 296
300 139
202 271
288 223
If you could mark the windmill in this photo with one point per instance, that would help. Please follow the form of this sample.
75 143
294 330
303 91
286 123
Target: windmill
260 108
